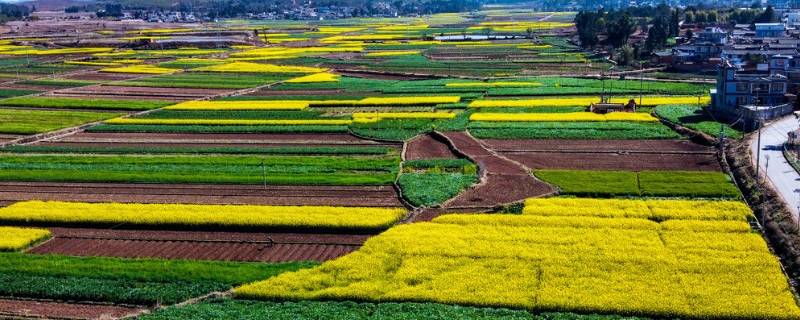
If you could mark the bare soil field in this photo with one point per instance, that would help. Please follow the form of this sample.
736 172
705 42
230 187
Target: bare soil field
8 137
270 92
427 147
230 246
376 196
148 93
608 155
102 76
27 309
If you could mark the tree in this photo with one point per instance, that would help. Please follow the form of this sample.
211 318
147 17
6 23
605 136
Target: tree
627 55
689 17
674 23
619 30
689 34
767 16
657 34
711 17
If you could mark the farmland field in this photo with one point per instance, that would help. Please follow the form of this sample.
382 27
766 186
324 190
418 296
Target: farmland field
440 166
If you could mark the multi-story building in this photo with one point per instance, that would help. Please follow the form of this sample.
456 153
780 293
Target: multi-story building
752 96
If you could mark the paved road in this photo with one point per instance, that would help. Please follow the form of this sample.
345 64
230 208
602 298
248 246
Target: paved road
785 179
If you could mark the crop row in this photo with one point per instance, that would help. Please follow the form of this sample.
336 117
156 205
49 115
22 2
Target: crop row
646 183
15 239
571 130
654 209
562 117
612 267
15 121
295 170
586 101
287 150
226 216
129 281
80 103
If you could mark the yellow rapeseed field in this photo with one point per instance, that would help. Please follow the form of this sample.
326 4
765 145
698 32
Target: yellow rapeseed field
560 117
403 115
645 209
15 239
317 77
409 100
249 67
202 215
241 105
586 101
141 68
392 53
232 122
566 262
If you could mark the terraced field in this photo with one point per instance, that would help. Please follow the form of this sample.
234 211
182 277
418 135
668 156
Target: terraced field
396 168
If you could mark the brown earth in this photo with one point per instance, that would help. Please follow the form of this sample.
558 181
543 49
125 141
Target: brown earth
270 92
427 147
102 76
197 245
8 137
375 196
607 155
149 93
27 309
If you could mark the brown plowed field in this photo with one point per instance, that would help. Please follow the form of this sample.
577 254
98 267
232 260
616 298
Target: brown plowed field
103 76
615 161
217 138
608 155
151 93
230 246
56 310
8 137
656 146
269 92
427 147
376 196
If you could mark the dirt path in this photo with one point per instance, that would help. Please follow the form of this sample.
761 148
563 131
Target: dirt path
502 181
57 310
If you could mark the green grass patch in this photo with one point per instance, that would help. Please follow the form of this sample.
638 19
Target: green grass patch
689 184
571 130
14 121
429 189
696 118
322 150
223 169
129 281
79 103
8 93
205 80
307 310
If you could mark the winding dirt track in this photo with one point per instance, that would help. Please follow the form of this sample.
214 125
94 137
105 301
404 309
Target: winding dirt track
14 309
502 181
200 245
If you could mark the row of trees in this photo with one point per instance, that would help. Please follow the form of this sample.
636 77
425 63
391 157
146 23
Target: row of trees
663 23
10 11
731 16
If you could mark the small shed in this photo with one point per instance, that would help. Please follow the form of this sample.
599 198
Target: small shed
605 107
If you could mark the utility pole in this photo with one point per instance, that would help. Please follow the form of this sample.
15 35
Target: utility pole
264 173
758 152
641 82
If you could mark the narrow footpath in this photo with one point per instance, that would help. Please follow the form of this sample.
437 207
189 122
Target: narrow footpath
781 174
